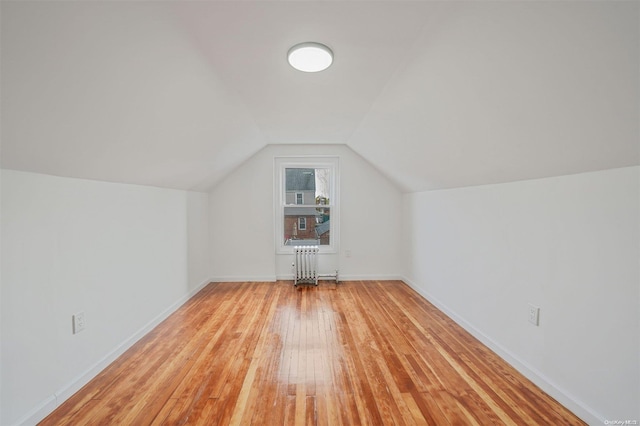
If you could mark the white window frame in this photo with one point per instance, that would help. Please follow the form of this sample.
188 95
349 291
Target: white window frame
301 198
306 162
301 221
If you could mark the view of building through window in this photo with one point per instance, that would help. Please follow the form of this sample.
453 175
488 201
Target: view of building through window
307 209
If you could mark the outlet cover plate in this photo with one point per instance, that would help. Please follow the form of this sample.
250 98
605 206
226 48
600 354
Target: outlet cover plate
78 322
534 314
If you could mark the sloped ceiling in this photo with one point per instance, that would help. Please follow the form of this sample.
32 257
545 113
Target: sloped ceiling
434 94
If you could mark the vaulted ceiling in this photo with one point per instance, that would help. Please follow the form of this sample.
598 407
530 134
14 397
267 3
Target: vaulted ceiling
434 94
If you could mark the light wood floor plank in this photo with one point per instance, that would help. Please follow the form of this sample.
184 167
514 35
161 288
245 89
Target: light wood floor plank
356 353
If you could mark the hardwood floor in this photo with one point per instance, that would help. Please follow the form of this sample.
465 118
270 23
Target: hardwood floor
371 352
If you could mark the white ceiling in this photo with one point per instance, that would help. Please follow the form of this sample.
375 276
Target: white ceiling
433 94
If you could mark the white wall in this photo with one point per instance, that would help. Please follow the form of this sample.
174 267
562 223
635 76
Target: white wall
569 245
198 255
117 252
1 301
242 216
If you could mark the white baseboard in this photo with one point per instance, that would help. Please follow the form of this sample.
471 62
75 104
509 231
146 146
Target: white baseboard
47 406
235 279
539 379
41 411
358 277
353 277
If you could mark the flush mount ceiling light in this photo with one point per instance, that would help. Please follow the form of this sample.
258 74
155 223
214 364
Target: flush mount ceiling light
310 57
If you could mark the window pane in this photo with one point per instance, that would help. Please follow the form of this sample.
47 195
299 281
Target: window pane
307 186
317 226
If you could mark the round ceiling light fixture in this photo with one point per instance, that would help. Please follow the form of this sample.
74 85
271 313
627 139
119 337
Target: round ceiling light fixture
310 57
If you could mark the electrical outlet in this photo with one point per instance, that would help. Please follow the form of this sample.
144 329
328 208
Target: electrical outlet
78 322
534 314
347 253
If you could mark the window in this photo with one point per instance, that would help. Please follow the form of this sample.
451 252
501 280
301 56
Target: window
306 203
